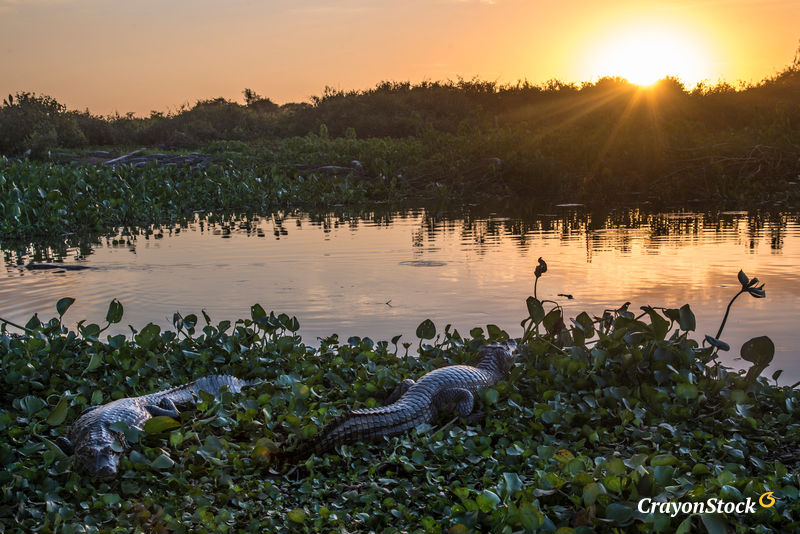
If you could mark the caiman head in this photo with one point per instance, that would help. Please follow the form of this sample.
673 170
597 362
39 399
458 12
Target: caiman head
98 458
498 357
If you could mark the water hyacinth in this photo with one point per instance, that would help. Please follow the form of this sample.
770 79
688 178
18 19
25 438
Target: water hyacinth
596 416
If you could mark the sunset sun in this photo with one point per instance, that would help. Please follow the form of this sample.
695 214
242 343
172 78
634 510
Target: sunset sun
646 55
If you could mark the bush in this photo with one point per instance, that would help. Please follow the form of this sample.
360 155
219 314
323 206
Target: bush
35 124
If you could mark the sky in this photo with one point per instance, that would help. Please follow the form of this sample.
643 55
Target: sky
112 56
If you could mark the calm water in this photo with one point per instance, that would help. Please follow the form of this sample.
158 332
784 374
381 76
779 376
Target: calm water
381 274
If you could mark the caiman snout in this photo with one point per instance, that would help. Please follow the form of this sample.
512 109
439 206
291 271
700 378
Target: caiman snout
99 461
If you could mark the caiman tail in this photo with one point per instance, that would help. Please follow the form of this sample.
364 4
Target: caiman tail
449 389
361 425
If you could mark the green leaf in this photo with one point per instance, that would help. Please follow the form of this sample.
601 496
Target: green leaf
162 462
552 320
490 396
759 350
660 325
685 526
586 324
535 309
30 405
59 413
257 312
94 361
530 516
426 330
63 305
615 466
619 513
114 314
663 459
137 458
296 516
686 391
686 318
673 314
159 424
591 492
714 523
513 483
487 501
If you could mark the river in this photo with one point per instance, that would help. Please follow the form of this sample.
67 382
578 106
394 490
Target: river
380 273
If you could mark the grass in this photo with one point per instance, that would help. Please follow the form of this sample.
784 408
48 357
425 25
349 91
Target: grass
595 417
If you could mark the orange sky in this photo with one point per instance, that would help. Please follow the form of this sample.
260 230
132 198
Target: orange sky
147 55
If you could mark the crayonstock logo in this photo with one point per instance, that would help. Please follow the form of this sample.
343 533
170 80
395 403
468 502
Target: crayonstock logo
710 506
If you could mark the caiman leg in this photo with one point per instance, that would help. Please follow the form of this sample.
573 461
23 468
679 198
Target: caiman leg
165 407
458 400
399 391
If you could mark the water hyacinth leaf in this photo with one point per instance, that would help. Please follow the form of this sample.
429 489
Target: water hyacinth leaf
33 323
59 413
54 449
110 499
490 396
714 342
619 513
535 309
530 517
685 526
586 323
114 314
94 361
131 434
553 321
673 314
162 462
426 330
30 405
686 318
257 312
63 305
190 321
487 501
759 350
296 516
495 332
663 459
685 391
512 483
615 466
660 325
137 458
591 492
159 424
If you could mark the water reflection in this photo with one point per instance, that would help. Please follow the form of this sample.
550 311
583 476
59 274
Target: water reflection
379 273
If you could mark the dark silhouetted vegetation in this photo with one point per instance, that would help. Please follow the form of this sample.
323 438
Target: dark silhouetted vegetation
456 140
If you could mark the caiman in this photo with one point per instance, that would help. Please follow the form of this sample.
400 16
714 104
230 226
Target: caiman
446 390
97 447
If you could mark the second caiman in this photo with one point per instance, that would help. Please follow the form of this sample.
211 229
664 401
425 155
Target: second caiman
449 389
